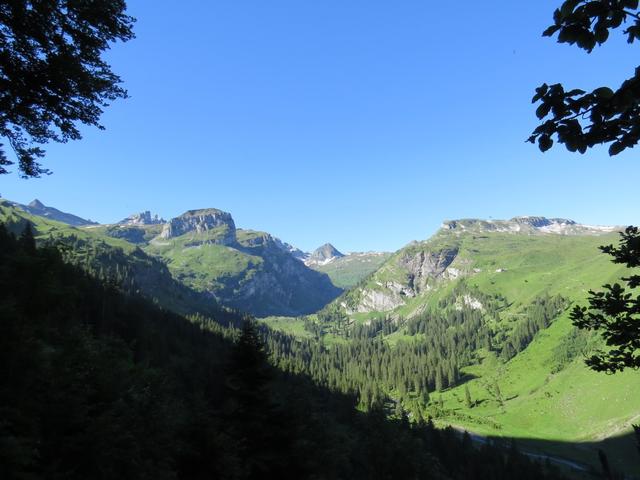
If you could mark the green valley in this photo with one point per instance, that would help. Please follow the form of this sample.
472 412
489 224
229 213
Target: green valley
522 362
469 328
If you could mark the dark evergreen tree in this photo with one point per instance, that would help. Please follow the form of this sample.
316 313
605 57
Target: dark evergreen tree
27 240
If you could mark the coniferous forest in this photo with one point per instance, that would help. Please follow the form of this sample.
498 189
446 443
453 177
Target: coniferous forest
96 382
193 348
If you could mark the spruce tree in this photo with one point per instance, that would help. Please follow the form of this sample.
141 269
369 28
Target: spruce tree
467 397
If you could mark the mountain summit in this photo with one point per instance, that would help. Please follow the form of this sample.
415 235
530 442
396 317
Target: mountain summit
207 221
243 269
36 207
323 254
527 225
142 218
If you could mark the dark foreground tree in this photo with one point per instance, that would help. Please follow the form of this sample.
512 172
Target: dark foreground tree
615 312
580 119
52 76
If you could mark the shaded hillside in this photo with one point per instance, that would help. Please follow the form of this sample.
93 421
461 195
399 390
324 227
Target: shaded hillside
200 253
95 383
243 269
111 259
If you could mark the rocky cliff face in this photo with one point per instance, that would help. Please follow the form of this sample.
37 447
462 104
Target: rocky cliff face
282 285
200 222
423 266
142 218
416 270
244 269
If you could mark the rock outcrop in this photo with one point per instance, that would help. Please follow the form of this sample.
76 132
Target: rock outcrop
202 221
534 225
244 269
323 255
142 218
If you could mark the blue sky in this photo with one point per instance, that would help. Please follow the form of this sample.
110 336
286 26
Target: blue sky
362 123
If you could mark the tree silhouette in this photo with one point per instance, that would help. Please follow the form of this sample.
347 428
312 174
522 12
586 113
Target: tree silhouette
52 76
615 312
580 119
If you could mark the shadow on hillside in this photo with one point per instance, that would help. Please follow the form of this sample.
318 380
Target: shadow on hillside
621 452
141 384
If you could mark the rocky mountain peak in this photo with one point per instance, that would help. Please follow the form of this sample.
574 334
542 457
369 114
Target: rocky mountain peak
326 251
323 255
36 207
142 218
200 221
35 203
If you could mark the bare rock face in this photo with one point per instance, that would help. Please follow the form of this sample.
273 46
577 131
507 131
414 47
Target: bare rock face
391 296
200 221
531 225
323 255
427 265
142 218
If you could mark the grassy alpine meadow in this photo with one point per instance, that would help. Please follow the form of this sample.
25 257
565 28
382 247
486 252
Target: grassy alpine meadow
544 396
348 271
571 411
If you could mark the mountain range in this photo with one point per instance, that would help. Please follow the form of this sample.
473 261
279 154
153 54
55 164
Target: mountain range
36 207
492 297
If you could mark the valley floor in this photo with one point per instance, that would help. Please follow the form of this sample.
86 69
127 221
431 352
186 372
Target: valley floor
570 414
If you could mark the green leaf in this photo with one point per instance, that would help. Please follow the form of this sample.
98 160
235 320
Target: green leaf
567 8
604 93
601 35
551 30
616 148
543 110
541 91
545 142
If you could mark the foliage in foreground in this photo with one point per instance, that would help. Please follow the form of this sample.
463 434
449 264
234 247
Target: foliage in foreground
615 312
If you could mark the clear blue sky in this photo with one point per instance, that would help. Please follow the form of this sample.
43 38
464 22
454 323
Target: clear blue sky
364 123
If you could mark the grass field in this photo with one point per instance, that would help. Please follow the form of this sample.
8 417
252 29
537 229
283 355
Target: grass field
348 271
563 409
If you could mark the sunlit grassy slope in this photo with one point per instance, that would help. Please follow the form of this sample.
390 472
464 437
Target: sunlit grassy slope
348 271
559 403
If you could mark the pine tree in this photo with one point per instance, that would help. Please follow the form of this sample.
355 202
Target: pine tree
467 397
27 240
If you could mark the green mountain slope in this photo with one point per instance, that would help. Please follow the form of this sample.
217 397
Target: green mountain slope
349 270
206 255
96 382
244 269
484 306
111 259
